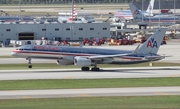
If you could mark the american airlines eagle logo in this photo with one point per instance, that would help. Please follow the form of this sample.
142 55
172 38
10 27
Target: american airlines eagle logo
136 12
151 43
149 7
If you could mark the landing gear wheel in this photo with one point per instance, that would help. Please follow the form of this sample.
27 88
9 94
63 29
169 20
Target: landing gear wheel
85 68
95 69
29 62
30 66
92 69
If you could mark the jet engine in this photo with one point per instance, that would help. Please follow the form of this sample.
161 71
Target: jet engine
64 62
82 61
117 20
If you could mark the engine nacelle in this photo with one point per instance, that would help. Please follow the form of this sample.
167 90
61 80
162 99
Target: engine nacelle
64 62
82 61
117 20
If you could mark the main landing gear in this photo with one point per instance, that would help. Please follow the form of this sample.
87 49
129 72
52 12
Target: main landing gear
29 62
85 68
95 68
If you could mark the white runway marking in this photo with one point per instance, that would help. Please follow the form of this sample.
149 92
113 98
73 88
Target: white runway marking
61 93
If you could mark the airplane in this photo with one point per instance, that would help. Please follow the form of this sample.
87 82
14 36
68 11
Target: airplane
127 15
68 16
16 18
85 57
81 17
137 15
9 18
86 19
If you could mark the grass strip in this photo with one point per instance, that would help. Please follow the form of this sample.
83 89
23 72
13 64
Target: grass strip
7 57
55 66
143 102
87 83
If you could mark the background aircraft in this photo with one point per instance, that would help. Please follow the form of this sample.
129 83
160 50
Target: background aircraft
9 18
127 15
138 15
86 57
82 17
16 18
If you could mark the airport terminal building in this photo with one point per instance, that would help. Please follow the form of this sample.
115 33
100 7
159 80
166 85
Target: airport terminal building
49 30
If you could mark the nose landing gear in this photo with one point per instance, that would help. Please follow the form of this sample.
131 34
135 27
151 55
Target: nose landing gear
29 62
30 66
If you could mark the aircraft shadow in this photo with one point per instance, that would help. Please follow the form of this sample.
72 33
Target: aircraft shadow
132 70
126 70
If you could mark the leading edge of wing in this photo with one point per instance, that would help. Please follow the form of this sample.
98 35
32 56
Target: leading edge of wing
111 56
96 57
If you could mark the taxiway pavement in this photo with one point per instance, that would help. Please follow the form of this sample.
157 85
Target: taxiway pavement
129 72
59 93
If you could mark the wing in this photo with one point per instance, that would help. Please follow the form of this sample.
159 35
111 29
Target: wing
100 57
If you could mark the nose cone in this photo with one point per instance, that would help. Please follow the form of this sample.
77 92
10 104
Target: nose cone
13 53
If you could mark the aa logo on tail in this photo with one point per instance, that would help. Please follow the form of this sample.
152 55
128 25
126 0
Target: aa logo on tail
152 43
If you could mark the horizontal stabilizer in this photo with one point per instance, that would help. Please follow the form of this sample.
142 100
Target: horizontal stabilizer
154 57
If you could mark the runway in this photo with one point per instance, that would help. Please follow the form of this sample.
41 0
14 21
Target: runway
129 72
61 93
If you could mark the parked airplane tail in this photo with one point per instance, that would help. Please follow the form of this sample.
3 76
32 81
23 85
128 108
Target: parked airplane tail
153 43
150 7
135 11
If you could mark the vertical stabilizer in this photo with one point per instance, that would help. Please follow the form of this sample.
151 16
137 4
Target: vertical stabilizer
153 43
135 11
150 7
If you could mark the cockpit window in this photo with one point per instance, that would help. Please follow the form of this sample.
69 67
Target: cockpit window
19 48
25 47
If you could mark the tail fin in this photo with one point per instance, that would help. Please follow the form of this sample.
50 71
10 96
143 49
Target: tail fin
135 11
153 43
150 7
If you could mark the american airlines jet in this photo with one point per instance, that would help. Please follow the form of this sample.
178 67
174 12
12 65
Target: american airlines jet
127 15
162 18
85 57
